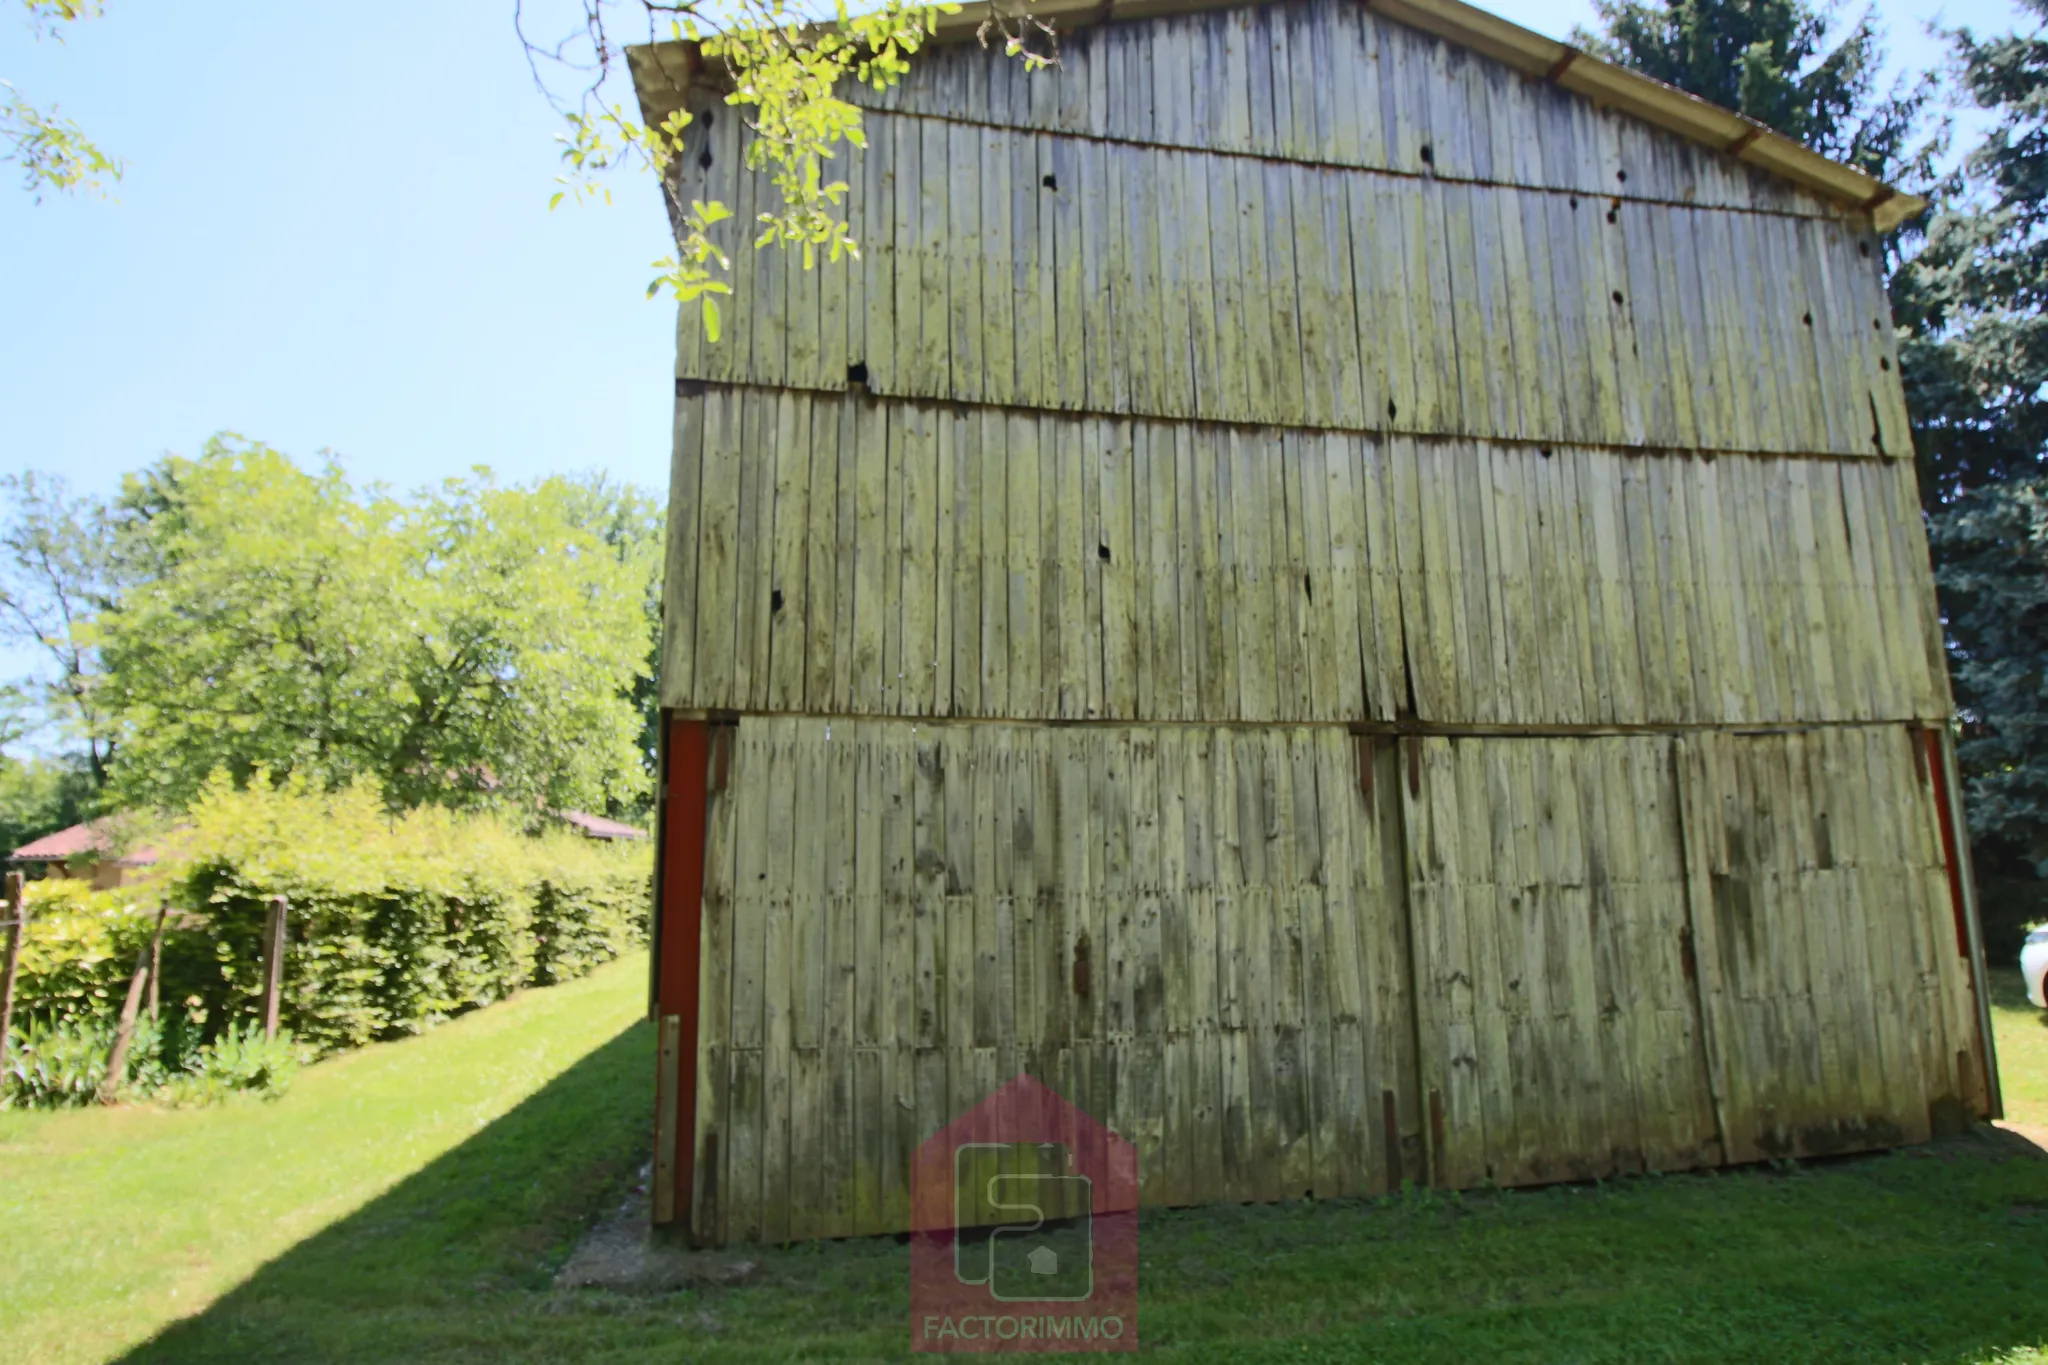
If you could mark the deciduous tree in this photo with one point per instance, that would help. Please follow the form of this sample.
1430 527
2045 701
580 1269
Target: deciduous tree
474 645
60 569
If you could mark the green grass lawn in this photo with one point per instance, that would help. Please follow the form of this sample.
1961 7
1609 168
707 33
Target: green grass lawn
410 1203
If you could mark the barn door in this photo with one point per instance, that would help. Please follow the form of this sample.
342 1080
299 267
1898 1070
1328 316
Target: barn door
1559 1032
1189 932
1835 978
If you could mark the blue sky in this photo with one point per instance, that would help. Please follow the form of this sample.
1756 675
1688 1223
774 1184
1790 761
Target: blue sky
334 235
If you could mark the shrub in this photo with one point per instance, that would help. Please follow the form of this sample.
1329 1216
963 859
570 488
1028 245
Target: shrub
51 1065
55 1065
396 924
590 906
241 1059
78 951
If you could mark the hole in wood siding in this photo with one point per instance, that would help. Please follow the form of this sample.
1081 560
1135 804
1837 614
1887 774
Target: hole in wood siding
1863 250
1617 296
1544 452
1428 155
1876 326
1575 201
1622 176
1807 319
1883 364
710 116
1393 413
1308 588
857 372
1051 182
1102 552
704 161
775 602
1614 214
1083 972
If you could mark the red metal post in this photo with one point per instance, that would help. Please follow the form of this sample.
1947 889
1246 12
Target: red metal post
1962 887
1938 771
679 911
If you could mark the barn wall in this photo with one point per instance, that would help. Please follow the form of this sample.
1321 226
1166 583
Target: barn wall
1560 1031
1233 288
1336 85
1195 933
1666 952
837 554
1288 960
1057 556
1832 954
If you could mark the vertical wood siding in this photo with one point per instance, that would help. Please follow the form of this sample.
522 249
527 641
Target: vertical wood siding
1009 267
842 555
1290 961
1194 933
1338 85
1258 376
1838 993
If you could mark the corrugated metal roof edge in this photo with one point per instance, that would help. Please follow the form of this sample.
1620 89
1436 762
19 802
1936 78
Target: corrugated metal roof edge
662 72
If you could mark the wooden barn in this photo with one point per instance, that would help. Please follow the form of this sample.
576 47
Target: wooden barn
1342 583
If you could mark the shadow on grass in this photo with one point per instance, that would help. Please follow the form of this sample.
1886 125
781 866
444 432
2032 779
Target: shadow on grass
1931 1255
456 1243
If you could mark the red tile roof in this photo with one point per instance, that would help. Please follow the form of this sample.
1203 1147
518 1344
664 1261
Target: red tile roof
78 841
597 827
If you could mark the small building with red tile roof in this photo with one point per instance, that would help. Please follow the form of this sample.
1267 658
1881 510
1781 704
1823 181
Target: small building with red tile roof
597 826
88 852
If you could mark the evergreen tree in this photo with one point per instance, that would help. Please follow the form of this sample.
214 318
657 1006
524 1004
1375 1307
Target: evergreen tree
1770 60
1991 549
1973 303
1968 290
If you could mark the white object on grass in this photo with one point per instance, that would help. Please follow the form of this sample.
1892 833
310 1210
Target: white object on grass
2034 965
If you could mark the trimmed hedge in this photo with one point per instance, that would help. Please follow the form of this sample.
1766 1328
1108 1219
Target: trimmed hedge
77 954
396 923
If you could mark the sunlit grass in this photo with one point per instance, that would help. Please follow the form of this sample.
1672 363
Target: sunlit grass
411 1202
2021 1033
113 1222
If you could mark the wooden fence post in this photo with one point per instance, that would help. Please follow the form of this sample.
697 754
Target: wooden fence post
17 922
117 1059
273 965
156 961
146 964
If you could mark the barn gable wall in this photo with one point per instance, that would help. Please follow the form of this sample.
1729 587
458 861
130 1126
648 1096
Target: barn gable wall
1353 668
1336 85
1072 273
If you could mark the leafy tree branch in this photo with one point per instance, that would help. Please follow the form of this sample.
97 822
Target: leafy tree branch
781 68
51 151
